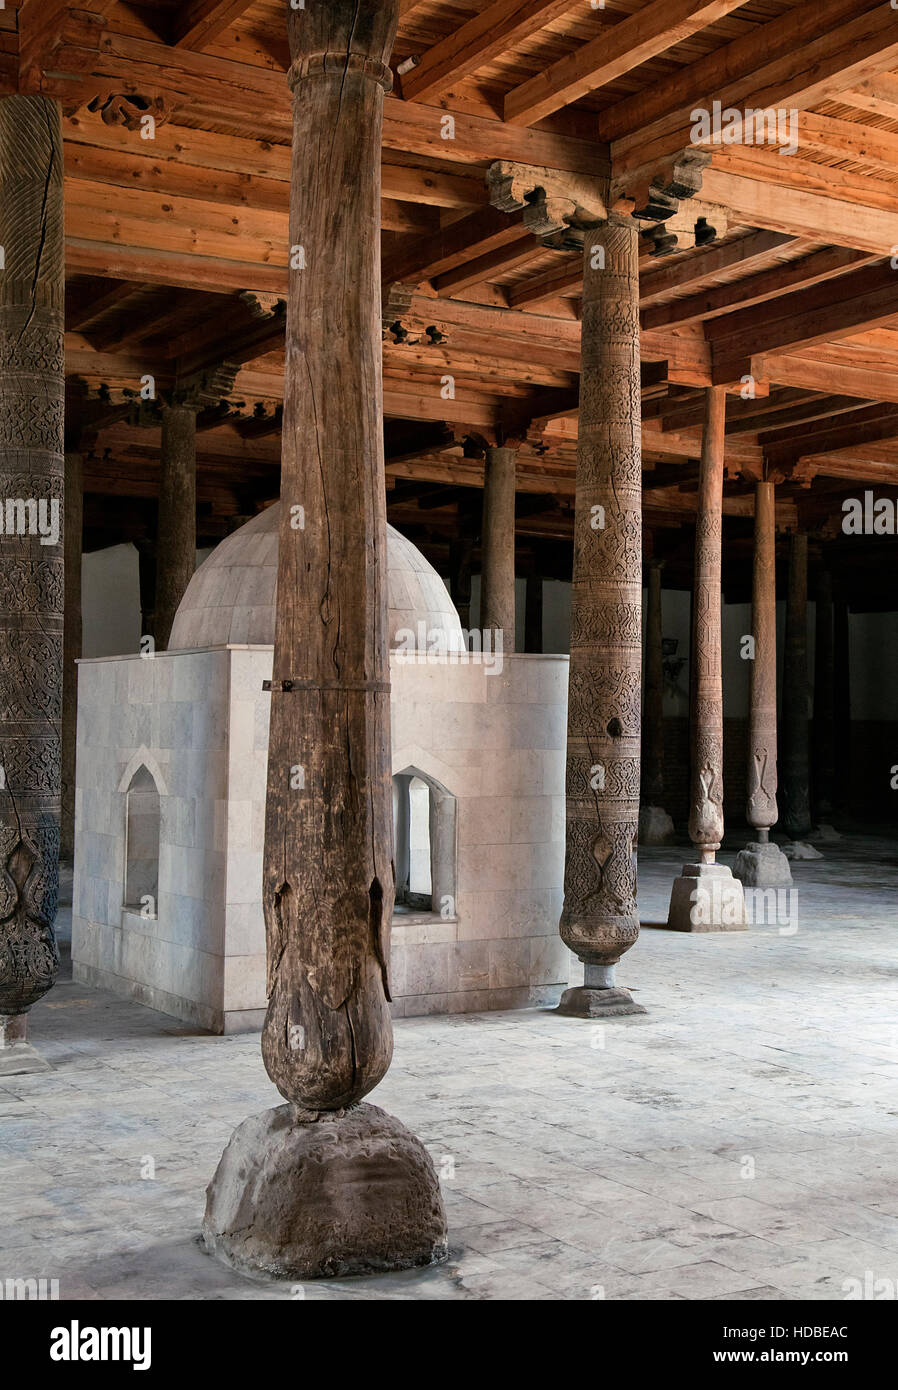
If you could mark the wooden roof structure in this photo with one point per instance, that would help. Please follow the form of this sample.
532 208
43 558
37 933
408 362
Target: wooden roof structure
178 247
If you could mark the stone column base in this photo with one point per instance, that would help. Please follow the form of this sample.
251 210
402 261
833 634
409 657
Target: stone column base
655 826
762 866
17 1056
706 898
800 849
298 1195
583 1002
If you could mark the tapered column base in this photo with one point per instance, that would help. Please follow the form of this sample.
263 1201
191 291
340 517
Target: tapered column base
583 1002
17 1056
706 898
655 826
299 1195
762 866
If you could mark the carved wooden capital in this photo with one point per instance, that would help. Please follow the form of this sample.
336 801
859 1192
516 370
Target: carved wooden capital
551 201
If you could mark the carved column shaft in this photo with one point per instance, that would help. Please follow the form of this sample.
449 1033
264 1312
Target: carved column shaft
824 699
706 684
600 921
328 874
176 545
32 474
497 597
761 809
796 818
74 525
653 707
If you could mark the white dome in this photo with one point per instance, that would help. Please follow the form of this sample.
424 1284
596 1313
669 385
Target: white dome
230 600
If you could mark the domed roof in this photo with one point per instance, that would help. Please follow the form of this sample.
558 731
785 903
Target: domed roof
230 599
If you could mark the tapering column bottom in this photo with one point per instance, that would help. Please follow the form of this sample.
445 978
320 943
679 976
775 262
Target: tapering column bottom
706 898
303 1195
598 996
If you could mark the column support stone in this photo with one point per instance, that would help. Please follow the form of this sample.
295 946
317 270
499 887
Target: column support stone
32 559
176 542
497 596
600 921
706 897
762 863
324 1185
655 825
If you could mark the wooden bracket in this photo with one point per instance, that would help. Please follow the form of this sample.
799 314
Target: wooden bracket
551 201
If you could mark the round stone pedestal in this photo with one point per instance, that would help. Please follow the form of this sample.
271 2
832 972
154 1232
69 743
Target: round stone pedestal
299 1195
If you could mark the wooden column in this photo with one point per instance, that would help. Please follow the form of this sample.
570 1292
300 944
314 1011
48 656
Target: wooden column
762 864
824 700
533 614
796 817
655 825
600 919
697 898
32 481
460 550
74 527
176 542
497 598
328 1185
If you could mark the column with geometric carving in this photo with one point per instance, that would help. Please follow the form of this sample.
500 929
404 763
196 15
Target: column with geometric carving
325 1185
32 473
762 864
706 897
599 921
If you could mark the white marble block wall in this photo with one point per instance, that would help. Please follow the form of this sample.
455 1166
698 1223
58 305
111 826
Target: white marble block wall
199 721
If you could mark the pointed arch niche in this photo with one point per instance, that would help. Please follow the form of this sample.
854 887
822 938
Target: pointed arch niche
425 823
142 826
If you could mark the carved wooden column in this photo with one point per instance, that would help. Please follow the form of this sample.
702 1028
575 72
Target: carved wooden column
74 526
325 1185
824 704
762 864
497 598
32 479
706 897
655 825
796 817
176 545
600 920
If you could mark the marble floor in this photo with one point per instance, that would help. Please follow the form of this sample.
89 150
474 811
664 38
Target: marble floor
736 1142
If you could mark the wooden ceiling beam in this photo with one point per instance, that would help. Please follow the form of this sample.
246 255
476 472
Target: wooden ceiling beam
818 374
463 241
828 221
617 50
201 21
498 28
488 266
747 252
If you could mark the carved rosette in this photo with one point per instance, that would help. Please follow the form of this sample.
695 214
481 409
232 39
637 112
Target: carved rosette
762 808
706 686
599 921
32 472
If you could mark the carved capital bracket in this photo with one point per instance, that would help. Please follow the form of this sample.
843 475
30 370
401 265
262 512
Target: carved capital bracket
395 303
262 305
665 201
129 109
554 203
205 389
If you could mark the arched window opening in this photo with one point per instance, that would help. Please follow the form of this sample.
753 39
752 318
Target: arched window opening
142 844
424 824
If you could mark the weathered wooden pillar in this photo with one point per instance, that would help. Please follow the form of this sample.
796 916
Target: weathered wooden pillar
824 702
461 547
497 598
533 614
655 825
74 527
176 542
706 897
796 817
599 921
146 560
324 1185
32 481
762 864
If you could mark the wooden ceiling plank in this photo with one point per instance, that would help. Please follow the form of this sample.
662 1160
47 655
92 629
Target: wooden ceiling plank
495 30
462 241
618 49
748 251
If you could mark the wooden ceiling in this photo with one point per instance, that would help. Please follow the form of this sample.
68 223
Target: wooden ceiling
178 246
